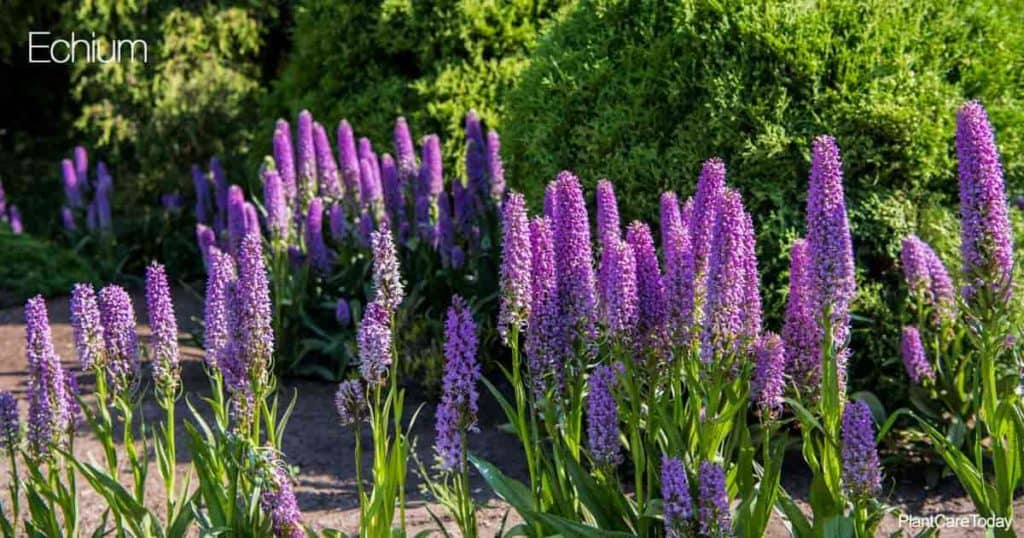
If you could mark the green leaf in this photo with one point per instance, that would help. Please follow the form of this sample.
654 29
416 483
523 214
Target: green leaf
571 528
512 491
838 527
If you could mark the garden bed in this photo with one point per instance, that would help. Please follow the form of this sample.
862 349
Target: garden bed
322 451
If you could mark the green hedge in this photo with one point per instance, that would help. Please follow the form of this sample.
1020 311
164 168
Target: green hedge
29 266
643 91
431 61
197 95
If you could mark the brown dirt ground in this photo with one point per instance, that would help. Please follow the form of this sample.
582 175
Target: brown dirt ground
322 451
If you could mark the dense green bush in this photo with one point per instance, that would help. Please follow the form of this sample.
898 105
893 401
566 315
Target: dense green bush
195 97
369 61
29 266
643 91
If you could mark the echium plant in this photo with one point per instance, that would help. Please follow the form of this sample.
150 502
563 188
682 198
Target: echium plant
381 401
237 458
455 419
618 371
838 436
967 350
50 485
321 204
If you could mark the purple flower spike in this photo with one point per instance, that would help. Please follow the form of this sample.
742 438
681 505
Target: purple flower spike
327 168
350 403
912 351
622 298
236 218
545 328
387 278
205 238
515 266
219 279
14 218
278 213
829 245
338 222
349 160
551 201
725 312
430 185
464 205
608 227
476 157
496 170
986 243
370 188
117 314
374 343
676 247
927 277
769 375
603 417
710 189
284 160
713 501
800 331
67 219
252 219
278 500
253 292
444 233
71 190
86 328
204 204
456 415
82 168
675 490
319 257
366 227
305 153
405 152
862 473
10 423
342 313
752 281
393 201
164 344
48 413
104 190
573 258
296 258
915 265
653 310
942 286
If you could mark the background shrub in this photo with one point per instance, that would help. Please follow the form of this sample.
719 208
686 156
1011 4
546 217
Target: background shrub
369 61
642 91
29 266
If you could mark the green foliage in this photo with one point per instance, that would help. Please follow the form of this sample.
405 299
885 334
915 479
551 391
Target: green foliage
29 266
643 91
195 96
430 61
